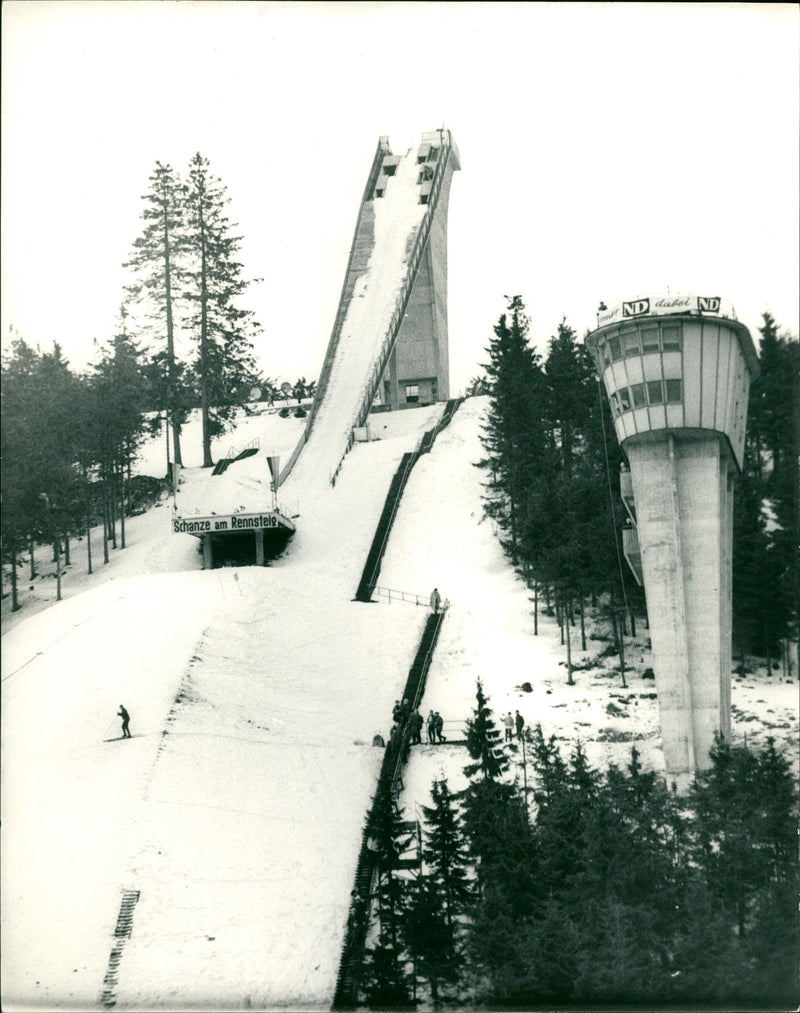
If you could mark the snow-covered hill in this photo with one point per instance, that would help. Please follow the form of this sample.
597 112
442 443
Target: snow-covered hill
236 810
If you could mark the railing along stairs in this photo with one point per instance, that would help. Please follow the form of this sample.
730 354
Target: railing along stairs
389 780
236 454
372 567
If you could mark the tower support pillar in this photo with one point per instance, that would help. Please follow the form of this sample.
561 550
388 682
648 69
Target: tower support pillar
684 508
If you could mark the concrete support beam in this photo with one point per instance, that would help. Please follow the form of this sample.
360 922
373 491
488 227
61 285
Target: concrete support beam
684 511
391 375
208 553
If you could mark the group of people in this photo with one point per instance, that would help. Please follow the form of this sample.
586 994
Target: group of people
403 716
510 723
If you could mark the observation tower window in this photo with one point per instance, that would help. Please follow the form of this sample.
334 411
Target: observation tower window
389 170
624 399
674 395
630 342
671 337
614 348
639 399
649 339
412 393
654 393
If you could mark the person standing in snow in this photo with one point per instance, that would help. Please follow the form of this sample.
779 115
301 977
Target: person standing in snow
431 727
438 725
435 600
520 720
508 722
416 728
125 721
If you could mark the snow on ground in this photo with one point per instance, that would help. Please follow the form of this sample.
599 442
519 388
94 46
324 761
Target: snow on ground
255 693
245 486
274 435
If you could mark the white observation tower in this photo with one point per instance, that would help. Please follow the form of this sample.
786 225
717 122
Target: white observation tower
677 370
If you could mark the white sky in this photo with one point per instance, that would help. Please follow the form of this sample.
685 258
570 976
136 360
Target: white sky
607 150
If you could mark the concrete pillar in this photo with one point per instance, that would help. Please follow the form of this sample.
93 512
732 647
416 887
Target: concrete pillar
208 553
684 513
259 537
394 394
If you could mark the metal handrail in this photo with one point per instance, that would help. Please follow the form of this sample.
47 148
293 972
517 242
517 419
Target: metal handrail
409 464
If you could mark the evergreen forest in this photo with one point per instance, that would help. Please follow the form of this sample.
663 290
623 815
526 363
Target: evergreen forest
589 887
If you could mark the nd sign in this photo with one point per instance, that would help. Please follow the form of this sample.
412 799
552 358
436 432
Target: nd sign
637 308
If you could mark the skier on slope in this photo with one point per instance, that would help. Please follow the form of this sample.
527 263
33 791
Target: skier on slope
125 721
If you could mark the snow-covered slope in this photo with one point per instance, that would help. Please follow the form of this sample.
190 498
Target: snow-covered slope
255 693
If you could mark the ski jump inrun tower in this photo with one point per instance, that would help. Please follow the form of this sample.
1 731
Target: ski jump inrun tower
389 341
677 371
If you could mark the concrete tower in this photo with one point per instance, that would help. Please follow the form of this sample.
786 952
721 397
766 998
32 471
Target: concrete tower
418 371
677 371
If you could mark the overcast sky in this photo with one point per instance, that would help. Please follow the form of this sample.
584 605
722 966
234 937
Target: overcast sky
607 150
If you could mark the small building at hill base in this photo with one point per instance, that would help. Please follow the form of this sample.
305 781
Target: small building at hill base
240 539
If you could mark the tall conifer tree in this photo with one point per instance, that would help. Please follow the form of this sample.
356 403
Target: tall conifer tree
157 260
515 436
222 329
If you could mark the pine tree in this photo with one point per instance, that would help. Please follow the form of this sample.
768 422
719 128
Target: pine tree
569 377
753 594
40 478
222 330
157 259
483 741
765 567
21 486
743 819
495 814
391 838
446 856
387 979
430 938
116 425
514 436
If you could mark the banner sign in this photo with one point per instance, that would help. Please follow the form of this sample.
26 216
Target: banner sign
230 522
663 305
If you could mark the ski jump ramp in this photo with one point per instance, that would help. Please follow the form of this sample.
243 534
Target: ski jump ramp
389 343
